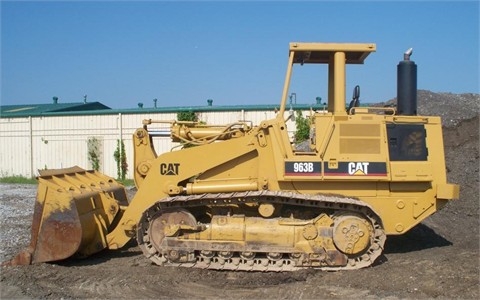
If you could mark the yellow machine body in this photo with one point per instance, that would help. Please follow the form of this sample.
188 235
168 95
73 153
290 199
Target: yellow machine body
243 198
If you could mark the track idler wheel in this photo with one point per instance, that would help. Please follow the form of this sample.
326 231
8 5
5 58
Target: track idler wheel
169 224
352 234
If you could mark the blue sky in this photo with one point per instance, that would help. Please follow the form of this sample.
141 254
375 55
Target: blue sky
183 53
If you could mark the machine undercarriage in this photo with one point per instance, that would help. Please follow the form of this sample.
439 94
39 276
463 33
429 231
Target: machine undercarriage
261 231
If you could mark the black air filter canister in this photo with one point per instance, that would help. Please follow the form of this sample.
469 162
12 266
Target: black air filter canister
407 86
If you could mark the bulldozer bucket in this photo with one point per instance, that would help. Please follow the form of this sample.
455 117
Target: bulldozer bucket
74 211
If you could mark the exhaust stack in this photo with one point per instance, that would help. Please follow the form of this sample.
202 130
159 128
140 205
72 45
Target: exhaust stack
407 85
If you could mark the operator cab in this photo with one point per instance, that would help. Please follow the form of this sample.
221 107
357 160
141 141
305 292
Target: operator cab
336 56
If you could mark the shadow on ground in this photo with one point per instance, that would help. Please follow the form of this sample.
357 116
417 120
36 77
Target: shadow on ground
103 256
418 238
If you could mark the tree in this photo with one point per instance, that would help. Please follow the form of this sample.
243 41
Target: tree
303 128
187 116
93 148
121 160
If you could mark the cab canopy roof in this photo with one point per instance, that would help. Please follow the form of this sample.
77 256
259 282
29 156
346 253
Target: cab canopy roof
322 53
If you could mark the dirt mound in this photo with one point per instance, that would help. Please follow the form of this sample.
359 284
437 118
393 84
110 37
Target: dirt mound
452 108
437 259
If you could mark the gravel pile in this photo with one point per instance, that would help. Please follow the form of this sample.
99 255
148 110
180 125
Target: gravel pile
452 108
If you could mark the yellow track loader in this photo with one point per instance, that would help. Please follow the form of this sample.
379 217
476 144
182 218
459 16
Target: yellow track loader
244 198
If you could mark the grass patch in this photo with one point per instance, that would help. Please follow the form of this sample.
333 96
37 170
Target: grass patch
18 179
25 180
127 182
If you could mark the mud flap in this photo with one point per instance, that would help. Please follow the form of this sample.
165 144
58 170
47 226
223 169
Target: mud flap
74 211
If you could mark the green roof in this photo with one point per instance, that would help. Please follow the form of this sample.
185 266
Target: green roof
96 108
27 110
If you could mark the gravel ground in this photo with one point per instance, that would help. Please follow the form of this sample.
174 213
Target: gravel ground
16 210
437 259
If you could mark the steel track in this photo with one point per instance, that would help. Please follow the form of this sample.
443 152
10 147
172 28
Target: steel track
237 263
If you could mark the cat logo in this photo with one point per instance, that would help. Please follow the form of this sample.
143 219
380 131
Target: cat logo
358 168
169 169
